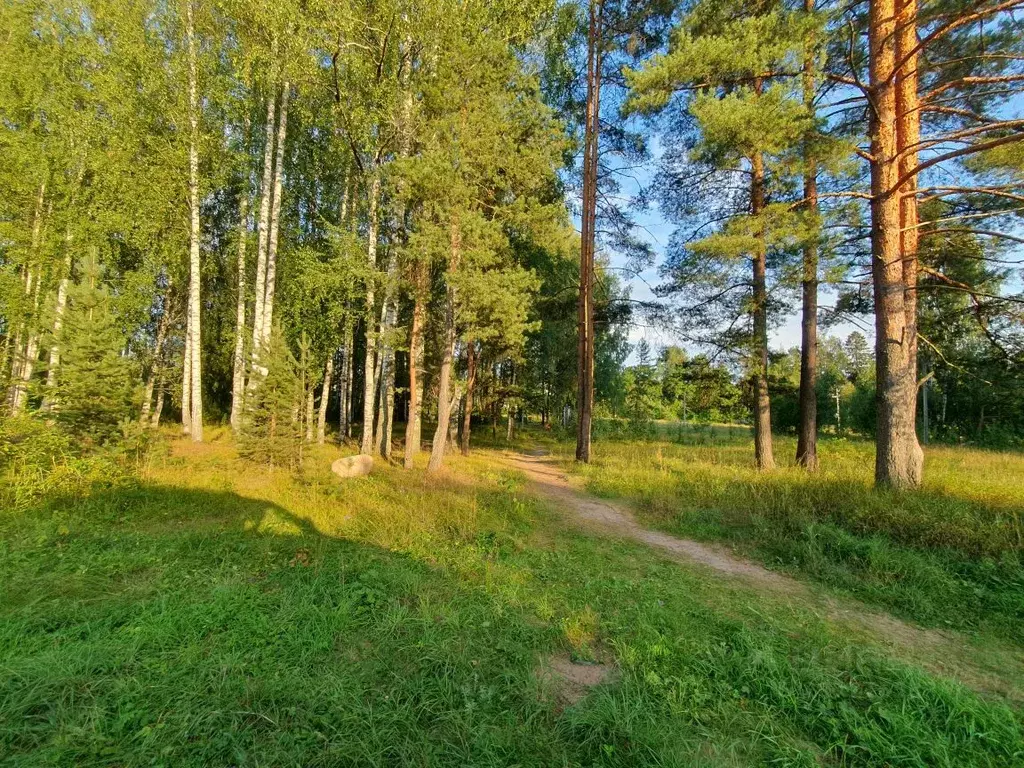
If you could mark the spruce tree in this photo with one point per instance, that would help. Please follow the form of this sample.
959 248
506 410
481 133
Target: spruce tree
97 388
272 428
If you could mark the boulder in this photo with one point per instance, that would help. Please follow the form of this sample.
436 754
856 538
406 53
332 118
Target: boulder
352 466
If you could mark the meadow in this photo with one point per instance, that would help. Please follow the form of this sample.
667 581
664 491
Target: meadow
206 611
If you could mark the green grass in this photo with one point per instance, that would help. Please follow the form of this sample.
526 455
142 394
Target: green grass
948 555
214 613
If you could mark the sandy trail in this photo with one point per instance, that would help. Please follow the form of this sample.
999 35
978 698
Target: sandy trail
947 653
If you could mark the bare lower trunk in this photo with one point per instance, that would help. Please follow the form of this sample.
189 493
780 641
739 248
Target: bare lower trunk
310 407
898 457
585 351
345 382
325 396
467 413
807 428
389 316
763 455
195 272
413 426
263 228
446 399
186 382
275 217
238 373
23 367
158 409
510 424
155 371
369 383
58 324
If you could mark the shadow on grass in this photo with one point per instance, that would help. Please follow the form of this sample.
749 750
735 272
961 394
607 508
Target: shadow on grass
160 625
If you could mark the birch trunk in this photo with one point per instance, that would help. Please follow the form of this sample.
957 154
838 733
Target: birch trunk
238 373
23 366
186 383
159 408
325 396
345 382
414 422
898 456
369 383
763 454
58 324
389 313
446 398
155 371
195 273
266 195
275 217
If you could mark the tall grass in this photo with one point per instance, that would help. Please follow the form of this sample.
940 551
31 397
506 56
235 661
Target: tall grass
949 554
217 613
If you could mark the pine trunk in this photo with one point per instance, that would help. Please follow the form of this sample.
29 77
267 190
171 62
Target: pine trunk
445 399
275 218
807 428
467 412
763 455
585 356
238 373
325 396
370 368
898 456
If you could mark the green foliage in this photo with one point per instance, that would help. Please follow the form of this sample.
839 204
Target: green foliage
272 429
203 621
97 383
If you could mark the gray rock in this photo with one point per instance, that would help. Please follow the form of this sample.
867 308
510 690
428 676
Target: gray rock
352 466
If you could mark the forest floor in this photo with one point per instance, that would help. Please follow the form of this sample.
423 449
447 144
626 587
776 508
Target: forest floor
665 606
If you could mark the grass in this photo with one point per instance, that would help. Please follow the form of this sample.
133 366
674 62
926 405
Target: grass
215 613
948 555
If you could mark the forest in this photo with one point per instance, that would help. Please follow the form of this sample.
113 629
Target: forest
540 382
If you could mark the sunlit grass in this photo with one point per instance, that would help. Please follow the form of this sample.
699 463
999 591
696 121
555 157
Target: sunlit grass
213 612
956 542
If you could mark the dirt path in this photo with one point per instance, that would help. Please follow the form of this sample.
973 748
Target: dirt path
947 653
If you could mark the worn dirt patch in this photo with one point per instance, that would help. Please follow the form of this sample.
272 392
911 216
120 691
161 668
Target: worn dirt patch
946 653
613 519
572 680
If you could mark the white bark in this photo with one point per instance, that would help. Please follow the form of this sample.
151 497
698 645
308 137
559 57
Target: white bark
155 372
58 324
309 415
186 383
369 383
325 396
159 409
24 364
195 273
275 218
262 228
238 374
